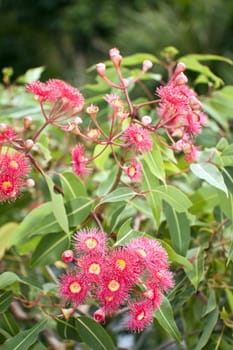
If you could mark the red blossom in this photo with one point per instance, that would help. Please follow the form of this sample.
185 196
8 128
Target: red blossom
92 266
134 171
141 315
7 134
112 292
73 288
68 256
79 161
15 163
138 137
90 241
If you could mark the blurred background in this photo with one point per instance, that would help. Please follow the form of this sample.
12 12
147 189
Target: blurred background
67 36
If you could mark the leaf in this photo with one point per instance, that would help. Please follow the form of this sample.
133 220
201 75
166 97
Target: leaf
5 300
165 317
209 325
196 255
107 181
68 329
210 174
179 229
93 334
24 339
175 197
138 58
119 195
8 323
6 232
50 249
31 75
58 206
155 162
101 155
7 279
211 305
72 186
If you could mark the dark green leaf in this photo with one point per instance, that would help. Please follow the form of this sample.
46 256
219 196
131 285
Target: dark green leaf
93 334
196 255
5 300
119 195
8 323
24 339
209 325
72 186
68 329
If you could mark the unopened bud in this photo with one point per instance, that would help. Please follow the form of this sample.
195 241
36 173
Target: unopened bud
77 121
99 315
30 183
68 256
181 79
28 144
180 68
126 82
3 127
115 56
101 69
27 122
146 120
146 65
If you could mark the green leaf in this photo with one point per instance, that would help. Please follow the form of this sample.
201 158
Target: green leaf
155 162
179 229
93 334
24 339
58 206
78 210
43 144
5 300
31 75
72 186
227 156
209 325
68 329
164 315
196 255
211 305
7 279
150 184
119 195
6 233
204 200
101 154
175 197
8 323
50 249
210 174
138 58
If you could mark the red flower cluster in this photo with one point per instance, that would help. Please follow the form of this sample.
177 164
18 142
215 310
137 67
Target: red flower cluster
136 274
180 112
66 97
79 161
14 168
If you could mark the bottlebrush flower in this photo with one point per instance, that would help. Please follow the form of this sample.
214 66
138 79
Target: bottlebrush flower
90 241
73 288
134 171
56 90
114 101
138 137
15 163
7 134
141 315
10 187
92 266
79 161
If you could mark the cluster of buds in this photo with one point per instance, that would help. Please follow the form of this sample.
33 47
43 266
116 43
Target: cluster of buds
133 276
14 166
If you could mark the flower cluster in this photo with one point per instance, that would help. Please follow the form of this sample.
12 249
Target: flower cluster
66 99
135 275
180 112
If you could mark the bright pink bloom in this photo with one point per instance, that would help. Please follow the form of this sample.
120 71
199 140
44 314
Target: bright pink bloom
56 90
90 241
153 294
15 163
10 187
125 264
138 137
141 315
99 315
68 256
7 134
79 161
134 171
112 292
115 102
73 288
162 279
92 266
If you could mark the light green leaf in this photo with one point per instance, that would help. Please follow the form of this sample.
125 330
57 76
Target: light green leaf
179 229
24 339
107 182
210 174
197 274
58 206
31 75
227 156
175 197
164 315
93 334
101 154
7 279
119 195
72 186
209 325
155 162
6 233
50 249
138 58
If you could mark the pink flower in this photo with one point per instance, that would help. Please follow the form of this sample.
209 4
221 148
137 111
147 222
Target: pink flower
112 292
7 134
56 90
141 315
79 161
153 294
115 102
15 163
90 241
99 315
10 187
92 266
73 288
134 171
138 137
68 256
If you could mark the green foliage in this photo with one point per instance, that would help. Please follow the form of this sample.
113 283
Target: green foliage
187 208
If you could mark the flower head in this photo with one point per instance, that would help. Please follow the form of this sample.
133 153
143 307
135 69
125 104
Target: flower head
73 288
141 315
79 161
10 187
134 171
7 134
90 241
112 292
138 137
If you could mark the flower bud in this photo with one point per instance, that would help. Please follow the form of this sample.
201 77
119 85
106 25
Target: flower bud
28 144
27 122
101 69
99 315
115 56
181 79
146 65
180 68
67 256
146 120
30 183
3 127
